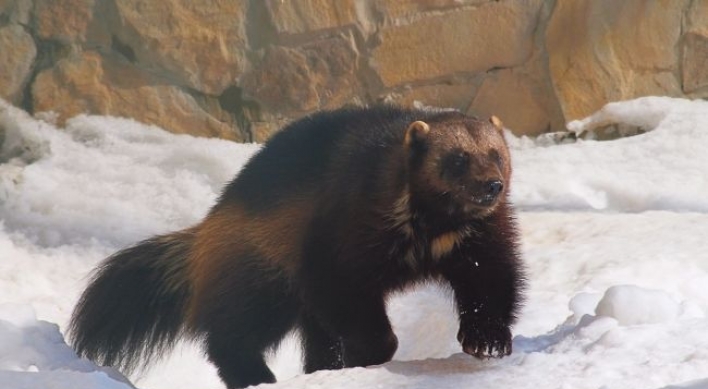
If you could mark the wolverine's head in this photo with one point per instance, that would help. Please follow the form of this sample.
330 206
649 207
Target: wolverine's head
458 165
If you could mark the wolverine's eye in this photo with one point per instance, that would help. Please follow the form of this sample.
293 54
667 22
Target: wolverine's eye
456 164
497 158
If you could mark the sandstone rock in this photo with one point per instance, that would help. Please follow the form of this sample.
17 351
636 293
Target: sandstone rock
515 99
18 53
605 50
242 69
197 43
16 11
695 50
299 80
63 20
695 62
91 83
456 96
396 10
299 16
263 129
697 17
283 81
497 34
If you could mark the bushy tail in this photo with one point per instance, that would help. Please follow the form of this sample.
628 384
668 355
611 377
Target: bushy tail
133 308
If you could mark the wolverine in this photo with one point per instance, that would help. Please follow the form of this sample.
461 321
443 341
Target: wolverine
335 213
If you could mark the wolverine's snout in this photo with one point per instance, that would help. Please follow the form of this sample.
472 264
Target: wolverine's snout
481 196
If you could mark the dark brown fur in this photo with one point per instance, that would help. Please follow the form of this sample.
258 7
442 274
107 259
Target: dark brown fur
336 212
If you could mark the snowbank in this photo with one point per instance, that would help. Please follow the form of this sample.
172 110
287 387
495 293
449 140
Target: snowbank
614 238
115 180
665 169
34 355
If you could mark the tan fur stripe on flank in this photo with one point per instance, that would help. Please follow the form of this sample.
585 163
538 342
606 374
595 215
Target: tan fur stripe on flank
176 259
224 238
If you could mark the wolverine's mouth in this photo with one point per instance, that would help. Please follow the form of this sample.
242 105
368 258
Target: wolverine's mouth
482 198
485 200
480 204
473 206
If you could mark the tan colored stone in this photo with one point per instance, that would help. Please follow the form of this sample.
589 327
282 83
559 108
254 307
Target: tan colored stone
299 16
456 96
303 79
695 50
197 43
282 82
18 53
697 16
515 99
16 11
397 9
607 50
485 56
90 83
473 40
264 129
695 62
63 20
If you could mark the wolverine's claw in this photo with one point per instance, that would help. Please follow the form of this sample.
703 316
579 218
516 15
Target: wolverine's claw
484 342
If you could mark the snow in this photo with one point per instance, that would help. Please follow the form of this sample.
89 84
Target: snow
631 305
614 237
34 355
662 170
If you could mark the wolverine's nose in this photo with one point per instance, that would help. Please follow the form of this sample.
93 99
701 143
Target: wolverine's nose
493 188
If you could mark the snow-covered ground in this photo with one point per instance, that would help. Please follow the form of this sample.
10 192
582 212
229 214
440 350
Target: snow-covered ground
615 236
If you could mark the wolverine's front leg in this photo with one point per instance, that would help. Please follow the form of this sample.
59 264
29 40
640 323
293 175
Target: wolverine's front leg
486 280
484 306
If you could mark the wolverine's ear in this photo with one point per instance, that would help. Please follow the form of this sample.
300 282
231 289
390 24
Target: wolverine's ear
497 123
416 133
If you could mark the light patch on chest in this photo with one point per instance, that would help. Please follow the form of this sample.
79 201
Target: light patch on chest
445 243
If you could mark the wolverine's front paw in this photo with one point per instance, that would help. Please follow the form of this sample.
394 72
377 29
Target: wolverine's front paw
485 340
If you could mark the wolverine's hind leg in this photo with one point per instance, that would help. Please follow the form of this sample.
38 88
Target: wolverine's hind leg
239 364
248 312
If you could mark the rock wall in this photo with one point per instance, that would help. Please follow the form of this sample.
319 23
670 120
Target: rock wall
240 69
